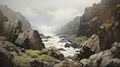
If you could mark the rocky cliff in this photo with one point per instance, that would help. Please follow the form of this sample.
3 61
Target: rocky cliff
18 30
102 19
13 16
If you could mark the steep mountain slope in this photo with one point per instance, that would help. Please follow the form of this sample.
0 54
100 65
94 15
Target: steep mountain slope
18 30
13 16
102 19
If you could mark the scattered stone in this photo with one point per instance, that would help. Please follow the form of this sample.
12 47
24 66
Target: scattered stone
37 63
67 45
69 63
107 58
61 49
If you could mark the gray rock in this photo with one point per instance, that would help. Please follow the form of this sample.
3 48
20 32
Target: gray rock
13 16
87 48
107 58
110 62
69 63
36 63
30 40
61 49
67 45
5 58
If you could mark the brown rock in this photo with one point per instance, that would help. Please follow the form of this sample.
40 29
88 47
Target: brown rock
88 48
107 58
30 40
69 63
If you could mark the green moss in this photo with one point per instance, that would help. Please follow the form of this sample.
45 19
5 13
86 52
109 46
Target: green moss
118 5
38 55
8 45
33 53
45 50
23 61
106 25
58 52
3 38
79 39
45 58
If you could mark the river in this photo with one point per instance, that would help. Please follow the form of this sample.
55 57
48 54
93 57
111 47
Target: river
54 42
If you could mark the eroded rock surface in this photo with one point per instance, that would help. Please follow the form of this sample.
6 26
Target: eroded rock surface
30 40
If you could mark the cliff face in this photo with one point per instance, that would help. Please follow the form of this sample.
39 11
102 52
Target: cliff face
102 19
13 16
18 30
70 28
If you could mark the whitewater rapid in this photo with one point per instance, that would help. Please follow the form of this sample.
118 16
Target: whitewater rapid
54 42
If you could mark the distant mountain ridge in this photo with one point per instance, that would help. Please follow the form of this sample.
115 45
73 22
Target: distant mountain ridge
71 28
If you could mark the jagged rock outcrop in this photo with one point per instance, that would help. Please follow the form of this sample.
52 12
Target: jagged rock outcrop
71 28
12 29
13 16
5 58
102 19
30 40
107 58
88 48
13 56
18 30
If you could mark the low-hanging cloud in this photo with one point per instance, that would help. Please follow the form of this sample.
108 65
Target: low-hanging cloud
48 15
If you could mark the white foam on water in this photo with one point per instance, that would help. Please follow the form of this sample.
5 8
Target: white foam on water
54 41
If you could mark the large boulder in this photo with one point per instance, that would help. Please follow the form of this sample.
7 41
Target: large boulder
88 48
12 29
36 63
30 40
5 58
107 58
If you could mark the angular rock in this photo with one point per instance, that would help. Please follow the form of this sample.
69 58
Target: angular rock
88 48
67 45
13 16
107 58
12 30
5 58
61 49
30 40
36 63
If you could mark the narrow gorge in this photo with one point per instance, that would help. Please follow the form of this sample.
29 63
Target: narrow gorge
88 40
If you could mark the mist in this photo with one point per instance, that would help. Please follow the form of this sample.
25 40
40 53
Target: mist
47 16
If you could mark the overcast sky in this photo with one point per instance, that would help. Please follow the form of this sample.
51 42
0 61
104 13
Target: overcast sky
48 15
